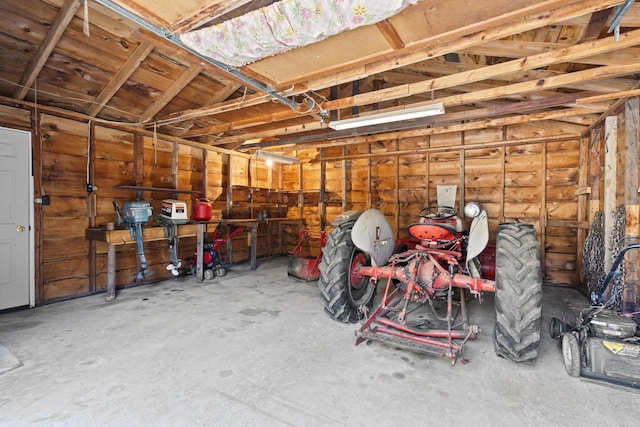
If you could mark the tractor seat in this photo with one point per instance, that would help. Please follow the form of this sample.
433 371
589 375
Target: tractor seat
432 231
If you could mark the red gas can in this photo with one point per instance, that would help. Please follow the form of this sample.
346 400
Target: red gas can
202 210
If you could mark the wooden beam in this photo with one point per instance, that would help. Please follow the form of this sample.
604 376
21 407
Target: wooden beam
66 13
523 48
617 95
632 214
616 105
595 143
205 14
180 83
243 123
490 72
465 77
390 34
610 181
437 125
123 74
596 24
448 148
501 26
222 107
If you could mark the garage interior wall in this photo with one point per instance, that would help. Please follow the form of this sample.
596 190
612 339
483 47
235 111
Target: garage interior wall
522 173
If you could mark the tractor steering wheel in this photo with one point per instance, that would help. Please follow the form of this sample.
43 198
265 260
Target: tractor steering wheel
437 212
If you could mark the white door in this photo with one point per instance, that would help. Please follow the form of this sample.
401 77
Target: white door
15 218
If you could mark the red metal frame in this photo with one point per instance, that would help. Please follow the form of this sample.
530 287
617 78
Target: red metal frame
429 269
302 264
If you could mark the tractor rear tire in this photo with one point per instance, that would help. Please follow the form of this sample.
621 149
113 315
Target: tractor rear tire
518 293
342 293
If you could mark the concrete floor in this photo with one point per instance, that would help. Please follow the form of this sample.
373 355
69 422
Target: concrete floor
256 349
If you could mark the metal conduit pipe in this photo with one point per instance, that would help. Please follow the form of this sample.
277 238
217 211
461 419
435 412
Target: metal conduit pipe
173 38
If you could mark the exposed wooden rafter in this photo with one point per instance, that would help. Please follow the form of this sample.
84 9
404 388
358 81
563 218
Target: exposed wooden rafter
390 34
168 94
65 15
120 77
524 19
411 89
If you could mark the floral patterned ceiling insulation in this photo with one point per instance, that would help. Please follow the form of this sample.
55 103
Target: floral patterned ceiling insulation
286 25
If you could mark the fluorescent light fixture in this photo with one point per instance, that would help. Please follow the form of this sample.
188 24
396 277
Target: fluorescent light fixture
274 157
389 117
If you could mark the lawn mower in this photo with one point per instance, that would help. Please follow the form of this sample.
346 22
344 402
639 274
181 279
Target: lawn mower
212 263
604 345
427 283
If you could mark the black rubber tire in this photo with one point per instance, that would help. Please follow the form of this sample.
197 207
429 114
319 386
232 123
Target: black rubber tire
518 293
571 354
341 300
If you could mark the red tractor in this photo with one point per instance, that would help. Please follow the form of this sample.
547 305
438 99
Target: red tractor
428 280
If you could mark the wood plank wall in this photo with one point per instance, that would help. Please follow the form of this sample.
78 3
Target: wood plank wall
516 173
533 181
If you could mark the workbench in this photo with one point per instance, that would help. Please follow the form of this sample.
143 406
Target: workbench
116 237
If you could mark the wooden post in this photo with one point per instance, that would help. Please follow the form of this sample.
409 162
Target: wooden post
346 179
396 231
504 175
583 172
461 175
323 183
254 245
91 205
205 170
138 159
594 172
629 296
37 153
202 227
543 209
610 175
111 267
427 171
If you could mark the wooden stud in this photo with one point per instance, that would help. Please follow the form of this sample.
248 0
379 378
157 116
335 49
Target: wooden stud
91 205
632 223
503 173
543 208
322 206
138 160
595 143
37 150
610 176
583 213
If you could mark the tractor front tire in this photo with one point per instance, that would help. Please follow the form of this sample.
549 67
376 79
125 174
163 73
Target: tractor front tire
518 293
343 294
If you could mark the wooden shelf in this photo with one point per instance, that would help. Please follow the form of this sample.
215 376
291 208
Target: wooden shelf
140 189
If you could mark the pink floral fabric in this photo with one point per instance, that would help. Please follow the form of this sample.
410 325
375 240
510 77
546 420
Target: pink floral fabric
286 25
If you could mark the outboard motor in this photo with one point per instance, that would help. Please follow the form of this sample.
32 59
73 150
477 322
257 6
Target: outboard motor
172 214
136 215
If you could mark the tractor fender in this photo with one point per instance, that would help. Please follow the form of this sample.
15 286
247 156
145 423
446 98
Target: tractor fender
373 235
478 236
345 217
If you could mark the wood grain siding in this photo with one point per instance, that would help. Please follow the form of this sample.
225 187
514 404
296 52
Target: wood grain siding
65 266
